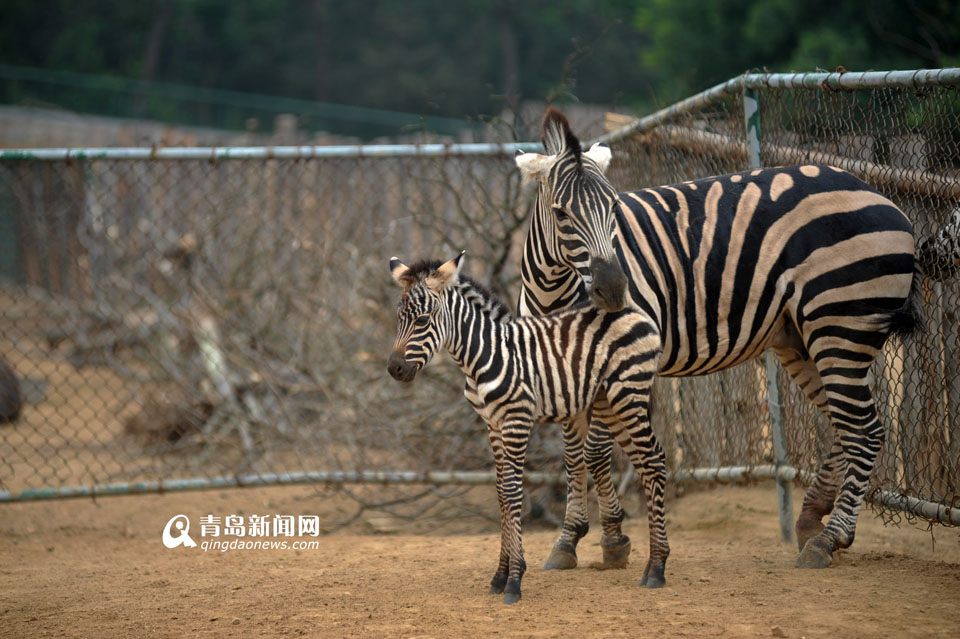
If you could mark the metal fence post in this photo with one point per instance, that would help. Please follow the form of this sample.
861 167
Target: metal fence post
751 117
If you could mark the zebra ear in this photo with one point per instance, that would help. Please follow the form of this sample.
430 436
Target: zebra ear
535 167
600 153
445 275
558 137
401 273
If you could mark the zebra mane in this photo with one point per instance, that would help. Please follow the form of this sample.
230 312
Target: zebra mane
558 137
475 292
423 268
479 295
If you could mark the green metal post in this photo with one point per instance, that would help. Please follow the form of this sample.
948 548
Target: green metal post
751 116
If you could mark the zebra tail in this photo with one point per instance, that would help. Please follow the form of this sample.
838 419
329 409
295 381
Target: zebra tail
908 319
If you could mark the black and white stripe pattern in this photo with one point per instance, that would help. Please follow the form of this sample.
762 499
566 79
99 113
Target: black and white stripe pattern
809 261
522 371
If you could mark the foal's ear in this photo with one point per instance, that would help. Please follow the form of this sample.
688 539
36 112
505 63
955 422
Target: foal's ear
446 274
401 274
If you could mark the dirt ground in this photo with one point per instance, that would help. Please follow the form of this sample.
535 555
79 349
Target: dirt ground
85 569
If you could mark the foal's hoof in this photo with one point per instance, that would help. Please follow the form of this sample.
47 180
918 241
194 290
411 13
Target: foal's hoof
512 594
497 584
561 558
816 553
807 529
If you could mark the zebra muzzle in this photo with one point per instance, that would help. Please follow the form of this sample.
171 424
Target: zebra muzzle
609 286
399 368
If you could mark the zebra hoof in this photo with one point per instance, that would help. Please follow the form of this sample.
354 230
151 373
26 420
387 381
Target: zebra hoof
616 555
806 530
654 582
497 584
512 593
815 554
562 557
653 577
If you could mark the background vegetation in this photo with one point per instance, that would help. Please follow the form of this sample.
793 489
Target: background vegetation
204 61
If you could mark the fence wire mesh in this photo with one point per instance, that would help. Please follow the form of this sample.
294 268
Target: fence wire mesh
183 319
223 318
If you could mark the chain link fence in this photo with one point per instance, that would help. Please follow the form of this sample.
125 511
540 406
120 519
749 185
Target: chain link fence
191 318
228 320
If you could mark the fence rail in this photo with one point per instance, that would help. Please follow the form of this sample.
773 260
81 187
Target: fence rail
209 317
218 153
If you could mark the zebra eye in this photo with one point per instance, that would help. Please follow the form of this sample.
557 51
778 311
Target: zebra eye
561 215
423 320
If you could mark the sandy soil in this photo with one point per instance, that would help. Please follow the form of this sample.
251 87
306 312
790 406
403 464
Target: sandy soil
82 568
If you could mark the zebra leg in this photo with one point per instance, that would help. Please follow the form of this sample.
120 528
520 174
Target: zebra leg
598 454
563 556
515 437
819 498
635 435
859 435
499 580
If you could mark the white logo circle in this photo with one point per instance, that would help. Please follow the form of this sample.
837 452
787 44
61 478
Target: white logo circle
182 524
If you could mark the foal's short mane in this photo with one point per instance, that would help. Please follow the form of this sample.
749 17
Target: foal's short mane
423 268
488 299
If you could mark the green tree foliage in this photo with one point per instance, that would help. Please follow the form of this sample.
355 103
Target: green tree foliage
464 59
695 44
425 56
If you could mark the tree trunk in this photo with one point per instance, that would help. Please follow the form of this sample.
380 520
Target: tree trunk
158 31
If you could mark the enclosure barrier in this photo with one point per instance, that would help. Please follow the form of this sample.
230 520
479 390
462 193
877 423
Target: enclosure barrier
196 318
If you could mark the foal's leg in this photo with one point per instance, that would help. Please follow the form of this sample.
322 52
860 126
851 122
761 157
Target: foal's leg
499 580
576 523
515 435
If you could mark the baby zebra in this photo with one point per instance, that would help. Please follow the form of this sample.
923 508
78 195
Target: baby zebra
523 370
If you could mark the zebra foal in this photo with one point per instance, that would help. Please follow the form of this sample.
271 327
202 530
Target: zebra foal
525 370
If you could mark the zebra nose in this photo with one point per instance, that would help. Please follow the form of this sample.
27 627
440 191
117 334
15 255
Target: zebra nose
399 368
609 285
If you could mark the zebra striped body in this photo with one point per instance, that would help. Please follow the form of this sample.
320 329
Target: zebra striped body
732 265
809 261
527 370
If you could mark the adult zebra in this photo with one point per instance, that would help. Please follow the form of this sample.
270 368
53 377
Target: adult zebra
809 261
521 371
